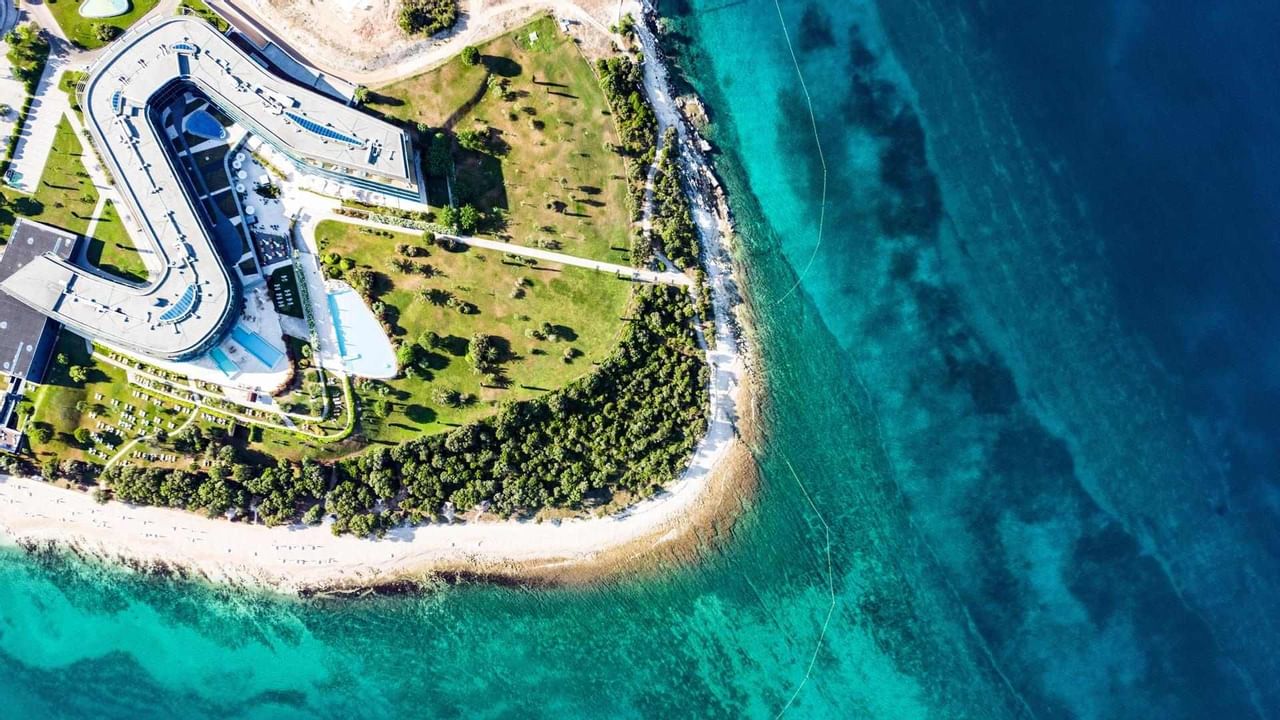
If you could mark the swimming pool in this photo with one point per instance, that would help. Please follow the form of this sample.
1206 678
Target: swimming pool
224 363
256 346
363 344
204 125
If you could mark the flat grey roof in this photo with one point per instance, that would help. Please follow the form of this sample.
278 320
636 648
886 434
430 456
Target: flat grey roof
23 329
184 310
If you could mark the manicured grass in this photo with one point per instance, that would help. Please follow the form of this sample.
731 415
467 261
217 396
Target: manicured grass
56 402
67 83
111 250
585 307
83 31
65 196
568 161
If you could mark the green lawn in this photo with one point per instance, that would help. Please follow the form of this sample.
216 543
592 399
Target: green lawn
57 400
567 161
111 250
65 196
67 83
585 307
83 31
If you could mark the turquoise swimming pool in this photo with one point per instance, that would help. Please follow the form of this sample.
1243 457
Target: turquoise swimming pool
224 363
256 346
363 344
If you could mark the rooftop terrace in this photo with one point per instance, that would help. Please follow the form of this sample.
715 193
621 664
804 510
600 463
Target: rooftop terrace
190 305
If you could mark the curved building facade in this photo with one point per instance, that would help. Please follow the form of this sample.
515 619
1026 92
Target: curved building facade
192 302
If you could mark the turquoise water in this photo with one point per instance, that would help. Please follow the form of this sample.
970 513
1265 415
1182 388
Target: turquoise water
256 346
366 351
1019 459
337 324
224 363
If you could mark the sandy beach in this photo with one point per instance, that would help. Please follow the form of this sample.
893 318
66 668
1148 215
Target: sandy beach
711 492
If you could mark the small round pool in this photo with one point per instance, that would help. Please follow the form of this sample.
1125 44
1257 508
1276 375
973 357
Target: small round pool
201 124
104 8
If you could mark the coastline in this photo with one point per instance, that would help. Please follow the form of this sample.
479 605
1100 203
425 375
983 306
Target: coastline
669 527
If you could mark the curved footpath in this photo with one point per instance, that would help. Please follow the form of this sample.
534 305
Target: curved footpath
299 558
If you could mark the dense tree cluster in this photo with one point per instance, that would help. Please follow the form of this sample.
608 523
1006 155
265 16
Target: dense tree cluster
277 493
427 17
465 219
623 82
630 425
28 49
438 158
672 219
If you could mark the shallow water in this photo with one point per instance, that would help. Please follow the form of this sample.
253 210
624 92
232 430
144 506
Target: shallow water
1020 406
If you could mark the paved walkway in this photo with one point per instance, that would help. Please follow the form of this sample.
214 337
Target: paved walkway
35 141
666 277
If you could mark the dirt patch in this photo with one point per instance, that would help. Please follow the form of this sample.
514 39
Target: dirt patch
361 41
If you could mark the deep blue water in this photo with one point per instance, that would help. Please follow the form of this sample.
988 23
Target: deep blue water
1025 373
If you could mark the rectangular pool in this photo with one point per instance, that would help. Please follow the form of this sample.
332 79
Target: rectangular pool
224 363
256 346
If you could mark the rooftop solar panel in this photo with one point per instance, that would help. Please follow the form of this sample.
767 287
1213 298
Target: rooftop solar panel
323 131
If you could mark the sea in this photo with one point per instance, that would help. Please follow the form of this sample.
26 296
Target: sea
1014 269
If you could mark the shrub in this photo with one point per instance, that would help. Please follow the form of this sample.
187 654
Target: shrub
106 33
40 433
427 17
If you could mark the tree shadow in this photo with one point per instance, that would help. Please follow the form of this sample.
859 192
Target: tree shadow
377 98
502 66
420 413
434 361
564 332
454 345
479 180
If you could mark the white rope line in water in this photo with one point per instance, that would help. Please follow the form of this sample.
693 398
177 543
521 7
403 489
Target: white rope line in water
813 120
831 586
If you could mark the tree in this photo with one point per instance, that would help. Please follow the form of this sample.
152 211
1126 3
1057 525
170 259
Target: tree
449 217
28 50
361 95
483 352
408 355
78 373
427 17
438 155
469 218
474 140
361 279
106 33
82 436
314 514
471 55
40 433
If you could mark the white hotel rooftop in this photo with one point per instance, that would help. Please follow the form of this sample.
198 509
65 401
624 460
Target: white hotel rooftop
194 300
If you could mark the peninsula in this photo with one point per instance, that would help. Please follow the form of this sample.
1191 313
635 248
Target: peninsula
290 313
